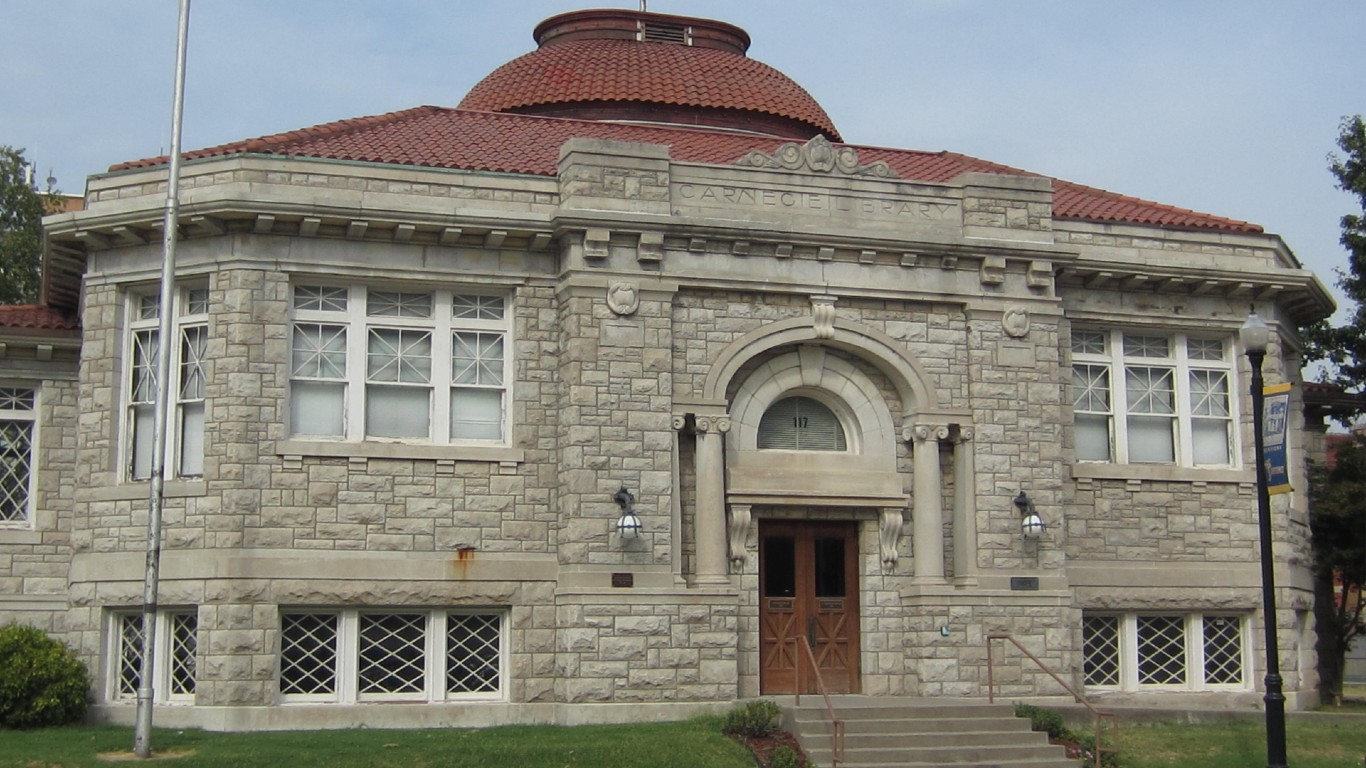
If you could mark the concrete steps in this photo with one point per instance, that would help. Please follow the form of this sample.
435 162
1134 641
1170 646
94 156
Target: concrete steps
902 732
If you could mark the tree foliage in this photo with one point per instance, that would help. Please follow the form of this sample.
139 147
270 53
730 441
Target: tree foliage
1343 348
1337 523
21 237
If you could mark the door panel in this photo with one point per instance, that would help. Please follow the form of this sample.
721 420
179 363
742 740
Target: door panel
808 585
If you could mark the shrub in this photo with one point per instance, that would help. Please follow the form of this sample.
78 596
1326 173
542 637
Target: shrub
785 757
1045 720
42 682
753 718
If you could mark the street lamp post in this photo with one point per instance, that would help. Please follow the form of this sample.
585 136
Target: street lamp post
1255 335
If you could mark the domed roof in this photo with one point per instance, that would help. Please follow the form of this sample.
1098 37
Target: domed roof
626 65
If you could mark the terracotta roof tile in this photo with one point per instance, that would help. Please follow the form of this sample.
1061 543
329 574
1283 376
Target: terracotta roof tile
660 73
34 317
438 137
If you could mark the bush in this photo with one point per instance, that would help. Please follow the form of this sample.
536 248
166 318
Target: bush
1045 720
42 682
785 757
753 718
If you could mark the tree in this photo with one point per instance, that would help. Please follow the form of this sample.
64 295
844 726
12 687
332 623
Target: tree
21 237
1337 493
1337 523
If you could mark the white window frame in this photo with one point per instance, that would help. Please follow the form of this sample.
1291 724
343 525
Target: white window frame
1194 644
442 325
184 450
12 412
168 653
346 657
1182 365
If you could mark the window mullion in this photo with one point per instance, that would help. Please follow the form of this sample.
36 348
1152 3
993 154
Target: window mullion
436 656
357 337
1195 652
347 661
1185 447
1128 651
1119 397
442 361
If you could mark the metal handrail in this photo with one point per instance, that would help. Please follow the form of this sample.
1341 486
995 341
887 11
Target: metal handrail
836 724
1096 714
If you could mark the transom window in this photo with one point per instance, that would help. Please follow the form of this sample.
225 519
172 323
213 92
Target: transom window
185 446
1140 651
1151 398
352 655
371 364
18 421
801 423
177 644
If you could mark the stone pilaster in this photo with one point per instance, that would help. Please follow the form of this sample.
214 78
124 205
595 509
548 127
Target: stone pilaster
928 515
711 500
964 509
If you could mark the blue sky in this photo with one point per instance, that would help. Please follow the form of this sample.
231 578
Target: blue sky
1224 106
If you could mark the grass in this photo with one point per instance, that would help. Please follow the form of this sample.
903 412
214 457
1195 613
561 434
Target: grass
696 743
1327 743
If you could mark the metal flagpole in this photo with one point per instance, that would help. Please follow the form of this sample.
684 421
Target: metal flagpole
142 732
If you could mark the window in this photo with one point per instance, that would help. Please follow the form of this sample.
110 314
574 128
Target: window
18 409
370 364
353 655
175 657
185 443
1148 398
1182 651
801 424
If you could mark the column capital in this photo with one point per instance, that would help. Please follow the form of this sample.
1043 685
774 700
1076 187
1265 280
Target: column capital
922 433
718 424
965 434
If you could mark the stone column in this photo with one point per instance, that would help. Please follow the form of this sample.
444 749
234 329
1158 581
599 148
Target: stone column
711 500
964 510
928 515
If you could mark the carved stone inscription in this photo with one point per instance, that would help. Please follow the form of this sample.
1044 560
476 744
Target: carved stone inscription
814 202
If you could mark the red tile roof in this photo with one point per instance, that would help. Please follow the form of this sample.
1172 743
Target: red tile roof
596 71
34 317
439 137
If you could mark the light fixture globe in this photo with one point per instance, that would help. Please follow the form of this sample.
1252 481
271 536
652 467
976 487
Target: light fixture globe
1031 524
1255 334
628 525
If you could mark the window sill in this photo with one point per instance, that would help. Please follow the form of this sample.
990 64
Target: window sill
19 533
1159 473
490 453
141 489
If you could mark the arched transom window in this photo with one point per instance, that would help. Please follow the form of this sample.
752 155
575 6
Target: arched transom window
801 424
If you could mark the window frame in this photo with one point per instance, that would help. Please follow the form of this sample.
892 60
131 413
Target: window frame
190 305
347 647
1120 416
441 327
29 417
1193 645
168 654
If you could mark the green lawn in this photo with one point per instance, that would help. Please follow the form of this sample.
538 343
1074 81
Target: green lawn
692 744
1327 743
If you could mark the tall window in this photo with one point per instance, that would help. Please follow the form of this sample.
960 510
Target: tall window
185 443
18 406
417 655
177 644
398 365
1185 651
801 424
1150 398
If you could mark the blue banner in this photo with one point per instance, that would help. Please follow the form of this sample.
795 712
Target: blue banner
1275 418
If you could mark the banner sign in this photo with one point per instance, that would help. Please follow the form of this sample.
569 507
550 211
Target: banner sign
1275 417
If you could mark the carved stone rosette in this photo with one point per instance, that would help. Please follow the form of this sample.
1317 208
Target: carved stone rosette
818 156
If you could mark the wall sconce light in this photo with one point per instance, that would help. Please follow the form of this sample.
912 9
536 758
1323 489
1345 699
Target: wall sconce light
1031 525
628 525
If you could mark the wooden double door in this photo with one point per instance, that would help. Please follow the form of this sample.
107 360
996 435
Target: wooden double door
808 587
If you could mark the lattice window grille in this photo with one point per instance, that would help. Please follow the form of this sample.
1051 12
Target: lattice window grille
473 653
176 644
1161 650
308 654
1101 650
392 654
1223 650
17 424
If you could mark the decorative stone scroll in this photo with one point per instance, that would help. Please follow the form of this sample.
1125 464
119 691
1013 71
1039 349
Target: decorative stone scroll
818 156
823 316
737 530
889 533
